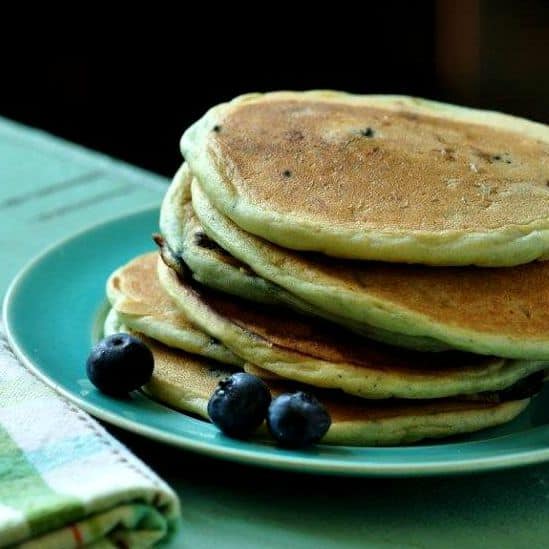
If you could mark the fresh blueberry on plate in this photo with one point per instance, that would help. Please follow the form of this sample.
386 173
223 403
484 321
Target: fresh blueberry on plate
297 419
120 363
239 404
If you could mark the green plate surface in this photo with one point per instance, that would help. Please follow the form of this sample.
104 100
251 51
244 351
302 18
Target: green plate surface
50 312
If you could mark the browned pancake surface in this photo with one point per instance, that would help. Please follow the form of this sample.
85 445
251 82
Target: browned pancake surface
318 339
374 168
508 300
140 292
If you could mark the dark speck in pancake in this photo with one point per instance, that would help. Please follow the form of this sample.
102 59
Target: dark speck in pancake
367 132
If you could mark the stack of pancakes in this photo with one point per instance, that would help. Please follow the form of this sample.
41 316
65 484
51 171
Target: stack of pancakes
383 253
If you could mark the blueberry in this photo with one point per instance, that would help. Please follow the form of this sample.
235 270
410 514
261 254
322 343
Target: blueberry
119 364
297 419
239 404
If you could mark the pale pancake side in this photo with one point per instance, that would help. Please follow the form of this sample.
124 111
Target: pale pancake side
141 303
502 312
186 382
319 354
387 178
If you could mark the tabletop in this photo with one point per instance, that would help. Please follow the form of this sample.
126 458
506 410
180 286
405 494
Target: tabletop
50 189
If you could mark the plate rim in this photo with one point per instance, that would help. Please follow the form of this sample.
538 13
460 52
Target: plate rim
284 461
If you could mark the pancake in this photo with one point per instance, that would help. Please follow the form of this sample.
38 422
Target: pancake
185 382
502 312
142 305
185 245
209 263
387 178
113 324
318 353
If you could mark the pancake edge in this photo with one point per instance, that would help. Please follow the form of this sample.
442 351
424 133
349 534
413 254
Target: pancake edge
250 286
191 340
353 379
386 432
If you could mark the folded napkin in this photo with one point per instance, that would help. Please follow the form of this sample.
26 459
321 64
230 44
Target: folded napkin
64 481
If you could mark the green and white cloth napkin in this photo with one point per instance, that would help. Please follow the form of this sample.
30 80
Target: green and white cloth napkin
64 481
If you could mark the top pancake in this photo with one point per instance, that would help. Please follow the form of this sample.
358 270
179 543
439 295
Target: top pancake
377 177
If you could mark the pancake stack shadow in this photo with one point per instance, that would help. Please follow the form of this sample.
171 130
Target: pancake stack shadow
381 252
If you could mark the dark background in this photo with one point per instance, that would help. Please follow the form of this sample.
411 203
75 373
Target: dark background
133 100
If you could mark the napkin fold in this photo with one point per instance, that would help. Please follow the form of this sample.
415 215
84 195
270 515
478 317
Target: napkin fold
64 481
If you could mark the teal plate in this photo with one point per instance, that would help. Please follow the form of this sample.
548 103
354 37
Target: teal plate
53 305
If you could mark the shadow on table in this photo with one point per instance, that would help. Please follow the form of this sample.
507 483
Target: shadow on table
503 509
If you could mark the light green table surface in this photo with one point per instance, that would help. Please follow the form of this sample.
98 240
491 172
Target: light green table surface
50 189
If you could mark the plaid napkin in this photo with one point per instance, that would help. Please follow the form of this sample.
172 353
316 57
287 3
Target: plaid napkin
64 481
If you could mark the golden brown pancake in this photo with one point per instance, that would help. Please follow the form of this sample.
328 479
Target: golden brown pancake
140 302
502 311
373 177
186 382
312 351
134 289
317 339
329 145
